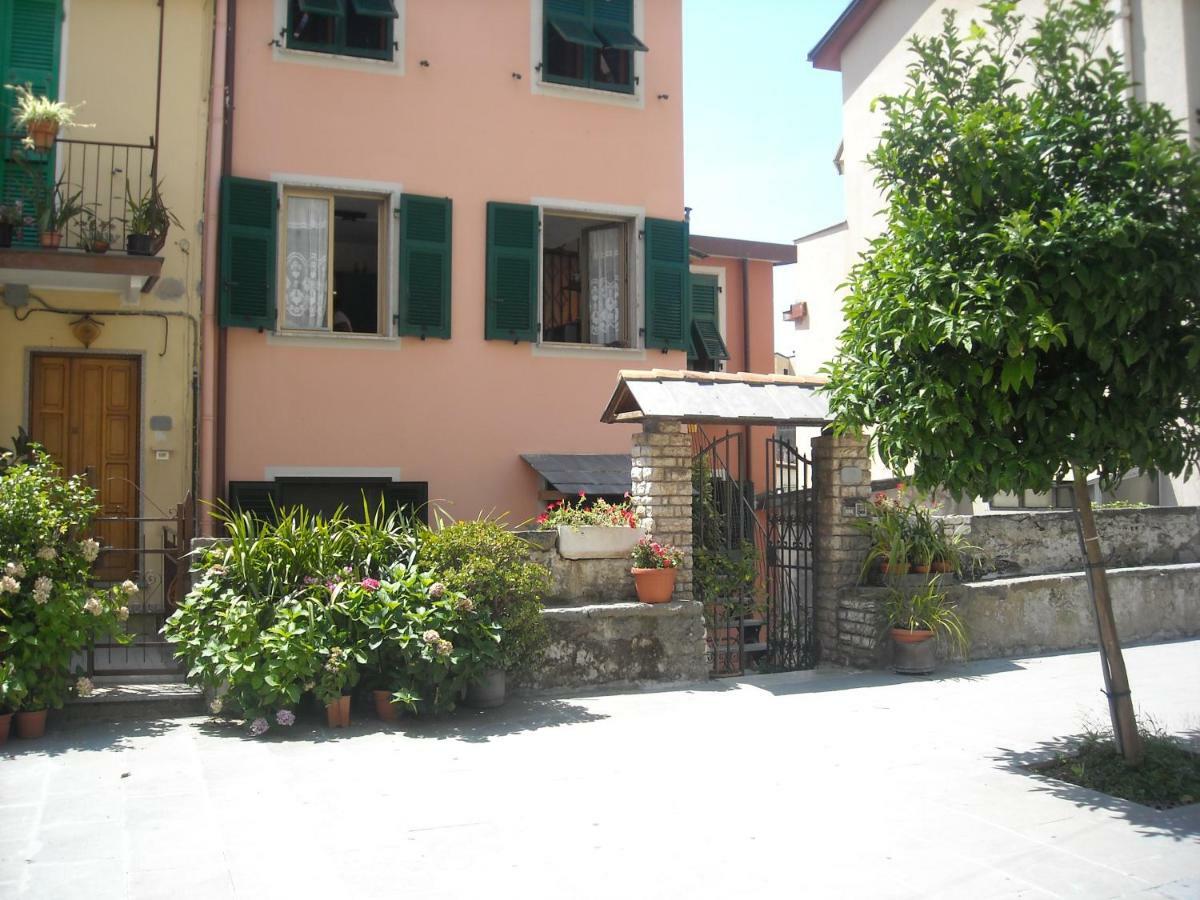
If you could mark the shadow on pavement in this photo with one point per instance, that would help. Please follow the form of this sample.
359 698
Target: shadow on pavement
85 737
464 724
1181 823
817 681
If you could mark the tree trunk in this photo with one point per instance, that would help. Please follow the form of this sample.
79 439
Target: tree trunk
1116 681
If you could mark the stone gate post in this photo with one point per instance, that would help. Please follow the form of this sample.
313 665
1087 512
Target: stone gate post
846 635
662 490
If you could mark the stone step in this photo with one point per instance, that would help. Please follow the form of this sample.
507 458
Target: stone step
134 699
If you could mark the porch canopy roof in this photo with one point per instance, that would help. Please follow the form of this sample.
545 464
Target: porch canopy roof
736 398
592 473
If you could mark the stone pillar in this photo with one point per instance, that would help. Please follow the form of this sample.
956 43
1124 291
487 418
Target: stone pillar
842 476
662 490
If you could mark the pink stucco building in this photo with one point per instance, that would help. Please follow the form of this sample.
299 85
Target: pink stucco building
444 227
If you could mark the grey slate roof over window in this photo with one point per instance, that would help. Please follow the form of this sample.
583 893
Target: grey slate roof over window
593 473
718 397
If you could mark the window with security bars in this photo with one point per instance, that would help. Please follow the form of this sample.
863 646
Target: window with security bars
589 43
363 28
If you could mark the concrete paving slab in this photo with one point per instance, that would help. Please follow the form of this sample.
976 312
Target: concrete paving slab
816 784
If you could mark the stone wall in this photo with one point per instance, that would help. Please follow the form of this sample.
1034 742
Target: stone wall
1034 543
581 582
622 644
662 490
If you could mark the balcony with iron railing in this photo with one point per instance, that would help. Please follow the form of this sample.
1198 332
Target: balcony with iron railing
106 180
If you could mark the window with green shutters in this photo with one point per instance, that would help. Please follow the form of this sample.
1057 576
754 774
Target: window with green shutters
512 272
362 28
589 43
30 45
425 230
707 348
248 240
668 285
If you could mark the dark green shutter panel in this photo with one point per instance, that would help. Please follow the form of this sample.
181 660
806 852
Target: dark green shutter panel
323 7
706 341
409 497
570 19
248 241
512 272
668 316
30 43
376 9
255 497
425 237
613 21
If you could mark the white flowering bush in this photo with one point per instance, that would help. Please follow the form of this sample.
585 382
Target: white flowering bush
48 611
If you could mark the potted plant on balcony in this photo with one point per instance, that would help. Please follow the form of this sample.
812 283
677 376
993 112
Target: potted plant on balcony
41 117
916 619
54 209
148 221
592 529
97 234
12 216
654 569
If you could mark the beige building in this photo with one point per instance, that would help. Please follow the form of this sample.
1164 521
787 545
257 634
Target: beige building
868 46
99 351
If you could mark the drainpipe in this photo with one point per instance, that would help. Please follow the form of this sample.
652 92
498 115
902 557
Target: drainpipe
749 474
162 15
212 200
226 168
1122 38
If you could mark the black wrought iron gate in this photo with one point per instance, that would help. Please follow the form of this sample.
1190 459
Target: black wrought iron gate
754 559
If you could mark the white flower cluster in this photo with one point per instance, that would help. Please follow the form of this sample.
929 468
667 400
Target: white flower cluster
84 687
14 570
129 587
47 553
41 589
123 613
93 606
9 585
90 549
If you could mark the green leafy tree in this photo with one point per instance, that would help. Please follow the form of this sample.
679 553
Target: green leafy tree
1030 311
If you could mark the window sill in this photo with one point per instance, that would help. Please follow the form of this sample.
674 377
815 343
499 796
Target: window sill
634 100
553 349
393 66
338 339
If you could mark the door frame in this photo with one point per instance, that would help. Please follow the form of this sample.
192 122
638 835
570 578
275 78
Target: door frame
139 357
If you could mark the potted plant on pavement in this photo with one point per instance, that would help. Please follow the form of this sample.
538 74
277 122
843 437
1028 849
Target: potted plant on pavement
490 565
592 529
148 221
41 117
916 619
12 217
12 692
654 569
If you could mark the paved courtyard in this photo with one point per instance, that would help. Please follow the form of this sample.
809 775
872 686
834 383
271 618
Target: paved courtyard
817 784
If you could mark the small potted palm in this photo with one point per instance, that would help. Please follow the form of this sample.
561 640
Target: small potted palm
148 221
54 209
916 619
41 117
655 566
97 234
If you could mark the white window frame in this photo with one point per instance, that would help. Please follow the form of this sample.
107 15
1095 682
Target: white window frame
635 216
389 194
281 52
538 86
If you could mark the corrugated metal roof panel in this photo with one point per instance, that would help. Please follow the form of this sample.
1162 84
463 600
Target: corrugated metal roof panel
594 473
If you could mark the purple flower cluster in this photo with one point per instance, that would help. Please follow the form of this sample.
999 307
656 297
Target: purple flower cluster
285 717
259 727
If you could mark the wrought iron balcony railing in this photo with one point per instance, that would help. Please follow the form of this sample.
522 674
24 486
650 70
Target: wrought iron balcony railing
102 176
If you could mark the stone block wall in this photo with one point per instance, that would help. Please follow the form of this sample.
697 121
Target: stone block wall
662 490
847 624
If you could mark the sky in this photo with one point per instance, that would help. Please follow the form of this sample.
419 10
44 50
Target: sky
761 125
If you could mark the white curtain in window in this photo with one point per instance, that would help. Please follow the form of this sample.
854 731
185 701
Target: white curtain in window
307 264
604 284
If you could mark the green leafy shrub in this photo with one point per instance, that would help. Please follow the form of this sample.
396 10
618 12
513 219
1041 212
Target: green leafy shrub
491 565
48 611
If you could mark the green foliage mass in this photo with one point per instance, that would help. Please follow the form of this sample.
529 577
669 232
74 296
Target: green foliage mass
490 564
1032 303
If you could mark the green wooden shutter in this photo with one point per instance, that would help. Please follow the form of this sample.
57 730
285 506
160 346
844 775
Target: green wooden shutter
668 306
512 272
30 44
425 229
248 240
706 341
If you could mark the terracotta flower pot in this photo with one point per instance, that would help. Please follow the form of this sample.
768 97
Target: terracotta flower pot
31 723
337 713
42 134
384 707
654 585
50 240
940 565
97 247
344 710
5 725
901 569
913 652
919 569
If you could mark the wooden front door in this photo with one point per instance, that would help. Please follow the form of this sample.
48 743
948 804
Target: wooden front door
84 411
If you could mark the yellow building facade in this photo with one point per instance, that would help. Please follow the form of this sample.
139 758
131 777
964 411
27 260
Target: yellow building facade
99 352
